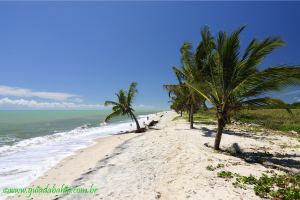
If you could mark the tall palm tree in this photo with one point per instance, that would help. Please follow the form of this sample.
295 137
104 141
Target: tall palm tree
184 93
123 106
231 80
178 99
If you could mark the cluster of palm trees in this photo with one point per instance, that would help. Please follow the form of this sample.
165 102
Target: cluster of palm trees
218 72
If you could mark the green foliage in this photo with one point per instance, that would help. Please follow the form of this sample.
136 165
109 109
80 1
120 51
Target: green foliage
246 179
285 187
123 106
204 116
276 186
184 98
276 119
295 105
225 174
210 168
230 79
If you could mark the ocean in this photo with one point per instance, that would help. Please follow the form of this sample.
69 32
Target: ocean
33 141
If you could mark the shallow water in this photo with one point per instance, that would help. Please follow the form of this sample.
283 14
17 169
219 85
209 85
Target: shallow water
34 141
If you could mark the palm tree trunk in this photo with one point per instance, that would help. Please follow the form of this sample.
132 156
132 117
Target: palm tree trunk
192 117
221 125
189 114
136 121
180 113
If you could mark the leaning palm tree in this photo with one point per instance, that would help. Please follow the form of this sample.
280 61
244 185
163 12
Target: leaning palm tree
123 106
231 80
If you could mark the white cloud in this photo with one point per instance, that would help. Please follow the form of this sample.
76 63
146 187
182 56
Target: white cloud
47 105
143 106
23 92
297 99
77 100
292 92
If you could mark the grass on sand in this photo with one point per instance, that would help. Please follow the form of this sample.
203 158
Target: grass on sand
276 119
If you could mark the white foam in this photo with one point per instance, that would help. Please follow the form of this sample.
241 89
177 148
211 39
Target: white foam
28 159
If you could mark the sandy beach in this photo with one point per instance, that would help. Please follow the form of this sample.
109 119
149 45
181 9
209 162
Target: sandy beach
149 100
169 162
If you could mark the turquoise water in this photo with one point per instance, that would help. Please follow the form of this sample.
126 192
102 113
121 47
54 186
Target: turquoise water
31 142
16 125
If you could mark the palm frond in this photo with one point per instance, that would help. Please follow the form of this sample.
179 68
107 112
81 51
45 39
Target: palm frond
270 79
113 114
110 103
178 75
131 92
266 101
122 99
253 56
198 88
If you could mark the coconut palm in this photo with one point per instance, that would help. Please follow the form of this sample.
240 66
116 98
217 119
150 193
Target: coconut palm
178 95
123 106
231 80
178 99
183 93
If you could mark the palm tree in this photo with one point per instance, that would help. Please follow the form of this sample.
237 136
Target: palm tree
231 80
123 106
178 100
183 93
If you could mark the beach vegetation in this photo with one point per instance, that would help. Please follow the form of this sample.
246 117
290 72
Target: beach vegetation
232 80
212 168
285 186
276 119
225 174
275 186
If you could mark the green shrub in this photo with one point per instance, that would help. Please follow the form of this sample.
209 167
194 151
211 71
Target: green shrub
210 168
225 174
283 187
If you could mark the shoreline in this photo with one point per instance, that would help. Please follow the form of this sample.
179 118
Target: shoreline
66 169
73 166
169 161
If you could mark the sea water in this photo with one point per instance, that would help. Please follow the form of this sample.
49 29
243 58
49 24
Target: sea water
31 142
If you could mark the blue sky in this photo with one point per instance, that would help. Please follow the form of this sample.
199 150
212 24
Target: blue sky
77 55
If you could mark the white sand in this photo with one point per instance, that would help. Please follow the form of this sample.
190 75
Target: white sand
167 163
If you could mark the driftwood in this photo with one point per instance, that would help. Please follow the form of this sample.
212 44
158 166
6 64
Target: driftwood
141 130
152 123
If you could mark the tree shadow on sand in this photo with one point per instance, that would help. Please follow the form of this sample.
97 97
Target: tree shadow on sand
285 162
210 132
245 134
187 129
